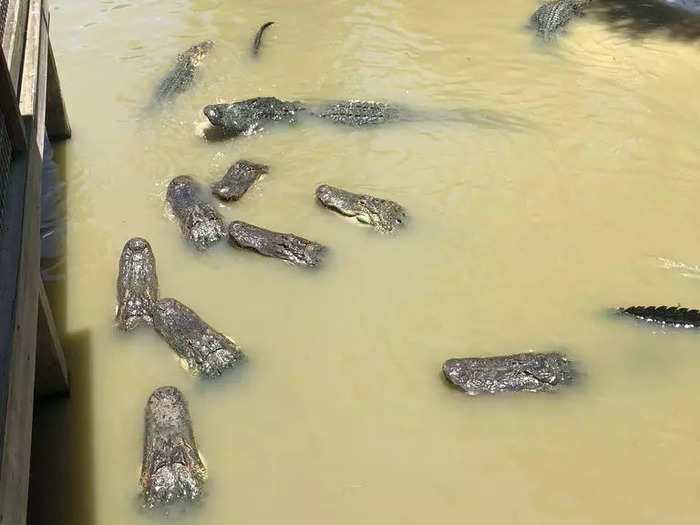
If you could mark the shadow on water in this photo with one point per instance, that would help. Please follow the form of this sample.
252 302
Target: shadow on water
638 19
61 479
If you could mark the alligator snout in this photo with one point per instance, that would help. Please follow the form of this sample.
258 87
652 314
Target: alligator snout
215 114
323 192
137 244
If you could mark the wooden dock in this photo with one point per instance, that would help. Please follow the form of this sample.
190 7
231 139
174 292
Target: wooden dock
31 358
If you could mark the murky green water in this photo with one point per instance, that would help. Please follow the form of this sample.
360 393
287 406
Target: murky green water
518 239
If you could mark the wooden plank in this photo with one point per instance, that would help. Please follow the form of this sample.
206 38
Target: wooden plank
10 109
41 87
10 245
30 69
18 413
13 38
57 125
51 369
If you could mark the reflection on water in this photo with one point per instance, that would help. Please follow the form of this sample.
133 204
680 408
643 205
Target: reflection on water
521 237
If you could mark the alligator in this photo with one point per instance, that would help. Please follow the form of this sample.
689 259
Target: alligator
258 37
205 350
182 75
358 113
247 116
283 246
137 285
200 223
551 17
530 372
383 214
171 469
674 316
238 179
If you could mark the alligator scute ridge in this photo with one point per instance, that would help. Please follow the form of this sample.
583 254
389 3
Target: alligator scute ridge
675 316
551 17
182 75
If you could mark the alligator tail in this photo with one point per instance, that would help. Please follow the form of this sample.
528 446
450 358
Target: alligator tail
258 37
668 315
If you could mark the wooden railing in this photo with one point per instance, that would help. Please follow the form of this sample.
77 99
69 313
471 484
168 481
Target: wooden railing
30 353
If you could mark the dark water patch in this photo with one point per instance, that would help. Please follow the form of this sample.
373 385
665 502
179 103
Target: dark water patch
639 19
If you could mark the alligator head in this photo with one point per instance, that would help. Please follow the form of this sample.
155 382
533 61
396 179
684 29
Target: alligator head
172 469
384 215
137 284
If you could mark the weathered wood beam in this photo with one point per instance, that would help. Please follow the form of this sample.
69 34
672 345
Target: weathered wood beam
13 38
30 68
57 125
20 284
20 354
51 369
8 105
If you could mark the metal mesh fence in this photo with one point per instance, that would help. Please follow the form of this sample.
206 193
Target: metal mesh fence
3 15
5 158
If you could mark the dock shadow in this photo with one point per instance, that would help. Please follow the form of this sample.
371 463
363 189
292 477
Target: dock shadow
61 483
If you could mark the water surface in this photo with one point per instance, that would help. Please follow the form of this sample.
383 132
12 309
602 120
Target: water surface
518 239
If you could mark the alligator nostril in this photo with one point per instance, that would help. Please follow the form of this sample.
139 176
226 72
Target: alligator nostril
137 244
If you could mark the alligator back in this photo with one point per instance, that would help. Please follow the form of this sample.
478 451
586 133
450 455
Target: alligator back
665 315
358 113
550 17
182 75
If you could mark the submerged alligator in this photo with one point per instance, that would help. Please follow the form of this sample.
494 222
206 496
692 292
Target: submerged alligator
383 215
258 37
182 75
530 372
238 178
283 246
171 469
205 350
359 113
665 315
249 116
551 17
199 222
137 285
